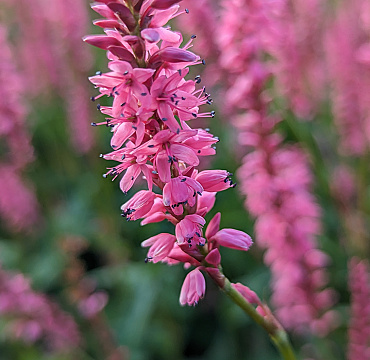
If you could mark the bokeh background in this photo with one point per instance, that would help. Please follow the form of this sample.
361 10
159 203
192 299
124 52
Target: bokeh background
73 281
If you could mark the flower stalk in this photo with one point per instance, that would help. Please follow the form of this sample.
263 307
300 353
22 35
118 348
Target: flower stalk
269 323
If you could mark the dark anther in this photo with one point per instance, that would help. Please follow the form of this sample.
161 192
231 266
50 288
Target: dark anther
197 234
203 62
123 157
134 127
183 180
113 146
164 119
234 185
193 36
132 178
174 95
187 11
199 151
178 131
172 99
98 106
125 73
147 259
199 193
98 73
183 98
209 102
154 172
169 158
213 113
123 104
226 180
92 98
93 124
116 92
150 146
194 115
144 94
198 79
176 102
189 241
114 89
179 71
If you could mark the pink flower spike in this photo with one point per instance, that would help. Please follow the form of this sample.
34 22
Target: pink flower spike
214 257
139 205
233 239
215 180
193 288
213 226
247 293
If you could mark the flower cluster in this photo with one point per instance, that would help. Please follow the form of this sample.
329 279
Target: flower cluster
32 317
153 106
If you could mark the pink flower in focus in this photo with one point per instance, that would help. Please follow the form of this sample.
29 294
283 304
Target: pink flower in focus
160 246
215 180
193 288
233 239
180 191
139 205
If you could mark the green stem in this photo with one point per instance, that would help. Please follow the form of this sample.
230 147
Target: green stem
277 334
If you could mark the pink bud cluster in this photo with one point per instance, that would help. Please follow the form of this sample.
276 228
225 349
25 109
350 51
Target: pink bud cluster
16 142
275 178
153 105
32 317
359 331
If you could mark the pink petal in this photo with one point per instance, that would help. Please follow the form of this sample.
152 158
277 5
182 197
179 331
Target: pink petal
129 178
185 154
124 14
121 134
101 41
193 288
163 4
214 257
247 293
213 226
234 239
163 166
